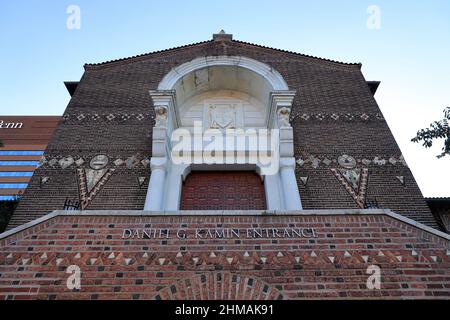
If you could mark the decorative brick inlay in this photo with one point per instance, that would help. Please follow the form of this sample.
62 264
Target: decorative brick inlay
86 195
358 194
219 286
413 262
315 161
71 118
336 116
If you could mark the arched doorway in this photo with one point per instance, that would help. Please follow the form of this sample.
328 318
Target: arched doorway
226 111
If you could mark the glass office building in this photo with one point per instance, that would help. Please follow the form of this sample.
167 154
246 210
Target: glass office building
24 141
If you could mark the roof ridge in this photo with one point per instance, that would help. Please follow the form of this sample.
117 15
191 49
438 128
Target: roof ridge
300 54
146 54
208 41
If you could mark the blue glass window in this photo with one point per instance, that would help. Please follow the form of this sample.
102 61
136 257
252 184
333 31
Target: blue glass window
13 185
20 153
7 198
16 174
19 163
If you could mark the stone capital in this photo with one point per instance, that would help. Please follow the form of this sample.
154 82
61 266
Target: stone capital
280 100
166 99
287 163
158 163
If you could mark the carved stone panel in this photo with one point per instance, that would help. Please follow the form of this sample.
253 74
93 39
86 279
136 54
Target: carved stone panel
223 114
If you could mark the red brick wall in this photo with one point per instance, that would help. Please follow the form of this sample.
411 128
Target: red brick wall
414 263
224 190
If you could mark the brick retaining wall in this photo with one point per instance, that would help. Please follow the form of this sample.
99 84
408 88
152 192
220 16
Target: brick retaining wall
414 259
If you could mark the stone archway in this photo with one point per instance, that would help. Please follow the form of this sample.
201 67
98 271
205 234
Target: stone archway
273 77
223 93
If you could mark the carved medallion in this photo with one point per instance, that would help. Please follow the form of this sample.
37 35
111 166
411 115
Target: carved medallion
222 116
99 162
347 162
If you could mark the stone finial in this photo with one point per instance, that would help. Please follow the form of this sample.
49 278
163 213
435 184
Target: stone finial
222 36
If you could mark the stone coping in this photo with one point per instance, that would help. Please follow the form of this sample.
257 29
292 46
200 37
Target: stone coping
269 213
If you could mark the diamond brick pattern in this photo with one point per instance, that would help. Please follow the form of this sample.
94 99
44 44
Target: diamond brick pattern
338 116
66 162
314 160
108 117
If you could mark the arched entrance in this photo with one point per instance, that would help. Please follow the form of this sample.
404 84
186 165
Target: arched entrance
212 101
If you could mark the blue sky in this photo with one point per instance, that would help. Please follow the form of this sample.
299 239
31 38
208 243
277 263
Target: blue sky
409 53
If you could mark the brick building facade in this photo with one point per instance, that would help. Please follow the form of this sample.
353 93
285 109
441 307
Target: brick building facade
24 140
338 158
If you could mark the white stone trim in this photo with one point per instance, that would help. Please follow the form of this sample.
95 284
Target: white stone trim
155 195
289 184
271 75
169 181
278 99
273 213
